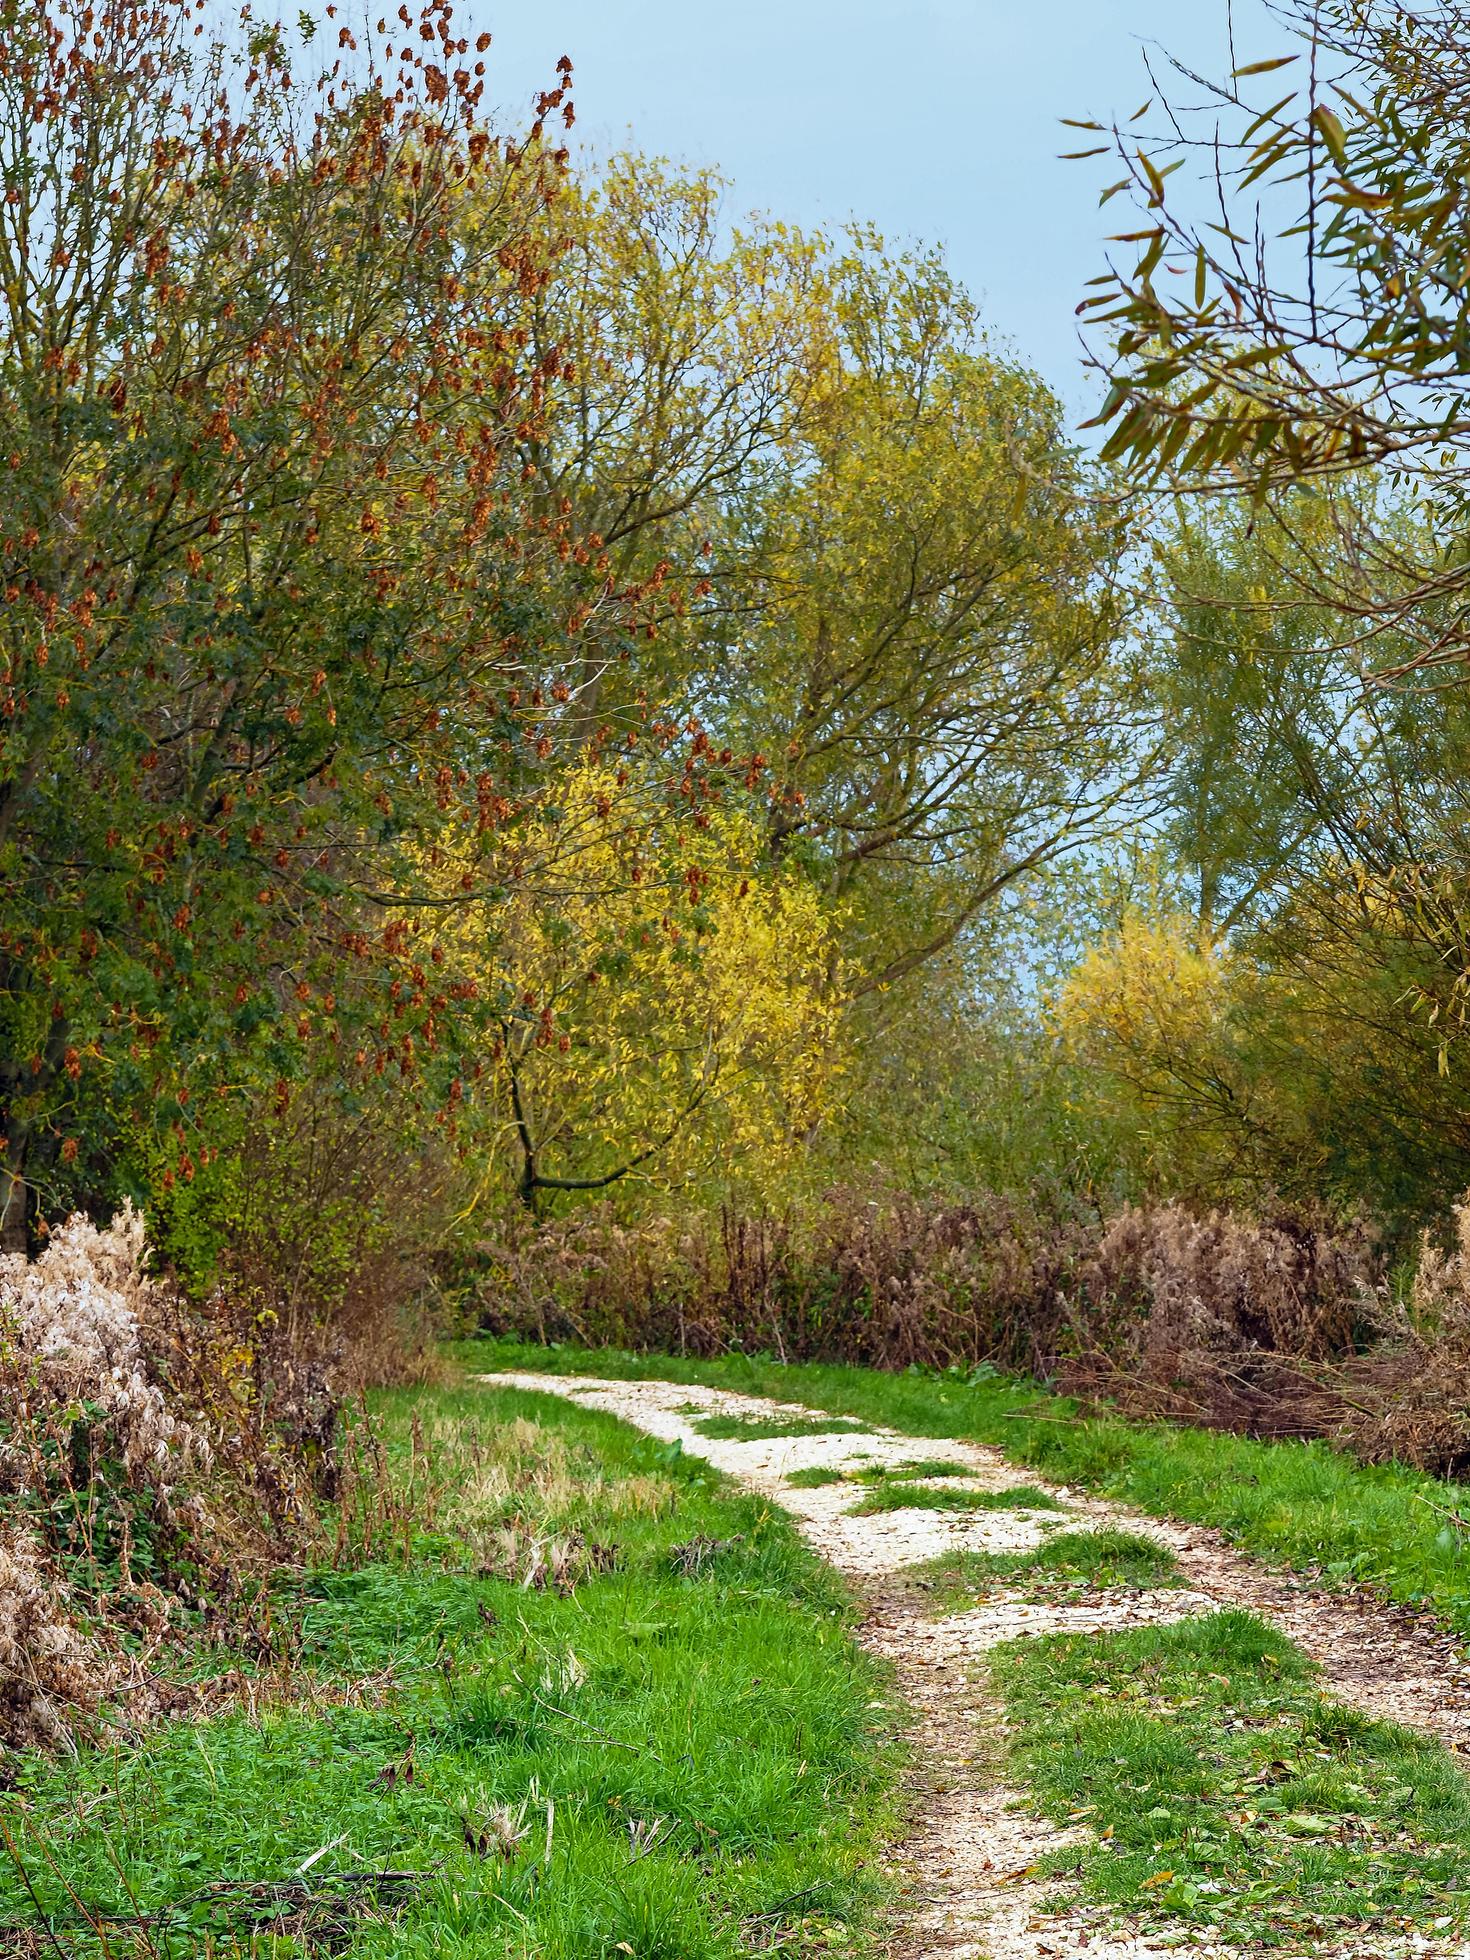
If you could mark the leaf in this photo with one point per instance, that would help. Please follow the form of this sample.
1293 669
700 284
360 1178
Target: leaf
1331 132
1305 1823
1264 67
1156 182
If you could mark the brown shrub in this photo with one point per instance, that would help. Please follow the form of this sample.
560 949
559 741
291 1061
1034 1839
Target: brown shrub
881 1279
158 1462
1219 1318
1215 1318
1408 1396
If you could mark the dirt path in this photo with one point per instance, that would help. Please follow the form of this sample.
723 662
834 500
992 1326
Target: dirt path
968 1862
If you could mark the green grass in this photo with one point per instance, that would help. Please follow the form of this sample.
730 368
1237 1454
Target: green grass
816 1475
1301 1504
923 1497
751 1429
936 1466
682 1750
1230 1793
1069 1562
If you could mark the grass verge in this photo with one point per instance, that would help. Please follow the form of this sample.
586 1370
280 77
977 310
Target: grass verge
1300 1504
1220 1789
609 1706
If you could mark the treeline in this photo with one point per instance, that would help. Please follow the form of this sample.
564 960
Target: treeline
527 698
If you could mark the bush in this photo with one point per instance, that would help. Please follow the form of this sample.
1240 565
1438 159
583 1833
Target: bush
1408 1397
1213 1317
883 1279
1219 1318
315 1231
151 1484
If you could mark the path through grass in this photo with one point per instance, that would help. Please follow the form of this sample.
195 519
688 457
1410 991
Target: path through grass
1295 1503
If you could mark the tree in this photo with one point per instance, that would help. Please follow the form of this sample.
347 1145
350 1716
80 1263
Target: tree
1314 321
271 598
665 1001
934 649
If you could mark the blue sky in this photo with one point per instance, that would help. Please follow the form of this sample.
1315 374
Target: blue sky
935 119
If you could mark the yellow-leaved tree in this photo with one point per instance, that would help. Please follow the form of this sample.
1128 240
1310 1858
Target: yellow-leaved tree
1150 1016
668 999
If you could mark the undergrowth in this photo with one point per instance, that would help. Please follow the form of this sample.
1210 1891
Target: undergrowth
605 1705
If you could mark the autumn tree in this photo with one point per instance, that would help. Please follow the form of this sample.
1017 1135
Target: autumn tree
934 653
666 1001
1289 304
269 593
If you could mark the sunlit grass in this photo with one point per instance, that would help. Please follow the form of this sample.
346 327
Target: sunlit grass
927 1497
1303 1504
667 1735
1219 1789
1067 1562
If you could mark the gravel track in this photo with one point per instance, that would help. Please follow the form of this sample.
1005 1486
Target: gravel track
968 1862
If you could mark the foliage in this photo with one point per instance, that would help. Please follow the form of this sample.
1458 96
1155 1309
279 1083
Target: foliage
1149 1017
1311 859
935 657
664 997
1340 344
328 1222
1310 389
259 425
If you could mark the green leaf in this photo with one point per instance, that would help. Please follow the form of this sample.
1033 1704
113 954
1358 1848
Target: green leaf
1331 132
